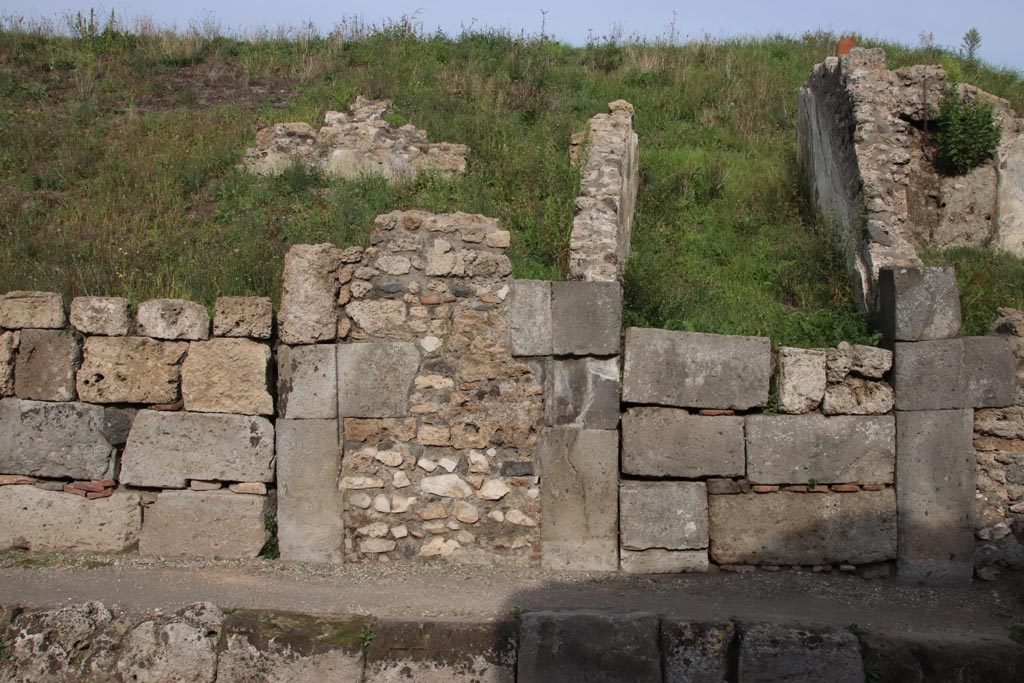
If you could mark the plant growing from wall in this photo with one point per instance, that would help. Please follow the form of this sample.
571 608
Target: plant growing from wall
967 133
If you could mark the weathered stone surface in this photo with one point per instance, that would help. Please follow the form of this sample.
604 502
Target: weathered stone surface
696 370
661 561
582 392
8 348
771 653
799 449
54 440
130 370
530 318
1010 168
165 449
309 292
940 657
803 528
54 521
866 361
243 316
936 471
227 376
376 378
173 319
672 515
181 649
918 304
46 364
31 309
446 486
579 493
106 315
856 396
970 372
668 442
694 652
801 383
204 524
307 381
586 318
309 505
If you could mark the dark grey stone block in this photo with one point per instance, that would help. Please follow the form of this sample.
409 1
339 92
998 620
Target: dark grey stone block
530 318
307 381
771 653
582 392
917 304
376 378
663 514
695 652
586 318
950 374
668 442
47 439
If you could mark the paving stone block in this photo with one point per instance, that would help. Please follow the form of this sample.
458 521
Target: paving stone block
970 372
227 376
668 442
173 319
582 392
663 514
375 379
309 505
579 494
696 370
31 309
694 652
661 561
46 365
54 521
104 315
166 449
205 524
936 479
771 653
307 381
243 316
586 318
588 647
799 449
803 528
61 440
530 318
917 304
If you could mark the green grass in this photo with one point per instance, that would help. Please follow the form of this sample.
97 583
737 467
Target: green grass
118 156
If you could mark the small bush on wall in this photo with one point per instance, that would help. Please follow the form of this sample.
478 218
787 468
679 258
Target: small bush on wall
967 133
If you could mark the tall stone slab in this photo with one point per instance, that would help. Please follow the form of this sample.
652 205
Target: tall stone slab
307 382
44 439
530 318
936 479
309 294
54 521
310 508
205 524
668 442
375 379
579 492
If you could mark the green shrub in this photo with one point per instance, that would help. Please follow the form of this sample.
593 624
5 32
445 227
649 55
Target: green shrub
966 133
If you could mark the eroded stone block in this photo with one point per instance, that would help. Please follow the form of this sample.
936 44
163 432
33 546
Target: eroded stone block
801 383
46 365
45 439
173 319
104 315
243 316
309 293
307 381
771 652
668 442
205 524
54 521
8 351
130 370
917 304
672 515
582 392
586 318
376 378
227 376
31 309
530 318
694 652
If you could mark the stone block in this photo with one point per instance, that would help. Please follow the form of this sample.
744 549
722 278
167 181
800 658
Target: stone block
130 370
693 652
54 521
309 505
970 372
865 361
227 376
696 370
104 315
166 449
661 561
243 316
857 396
31 309
803 528
530 318
589 647
46 365
582 392
668 442
801 383
173 319
579 496
672 515
918 304
799 449
307 381
205 524
936 475
60 440
8 351
773 652
586 318
309 294
375 379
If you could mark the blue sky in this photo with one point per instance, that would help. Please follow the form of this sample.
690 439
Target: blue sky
998 21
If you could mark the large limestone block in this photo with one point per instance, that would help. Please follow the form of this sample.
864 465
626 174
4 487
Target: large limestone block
45 369
166 449
46 439
661 561
309 505
582 392
130 370
801 383
771 653
8 351
579 497
663 514
309 294
243 316
105 315
586 318
31 309
588 647
375 379
936 475
917 304
696 370
205 524
970 372
803 528
227 376
799 449
668 442
307 381
530 318
54 521
173 319
694 652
